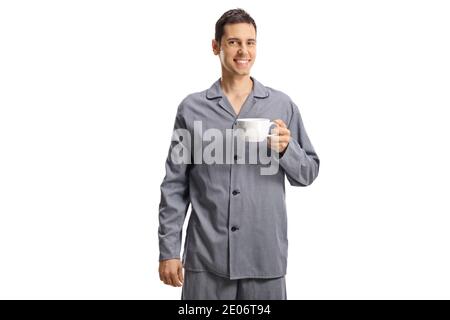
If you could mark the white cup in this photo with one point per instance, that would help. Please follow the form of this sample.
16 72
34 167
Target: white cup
253 129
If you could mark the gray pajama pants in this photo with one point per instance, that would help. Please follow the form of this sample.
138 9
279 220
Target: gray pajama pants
202 285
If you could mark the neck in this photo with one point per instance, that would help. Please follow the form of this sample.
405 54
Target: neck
236 85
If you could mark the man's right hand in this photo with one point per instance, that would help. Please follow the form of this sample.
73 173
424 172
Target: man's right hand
171 272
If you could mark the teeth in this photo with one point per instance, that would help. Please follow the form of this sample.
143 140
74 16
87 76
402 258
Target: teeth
241 61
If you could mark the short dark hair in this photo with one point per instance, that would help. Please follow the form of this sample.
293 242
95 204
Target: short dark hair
230 17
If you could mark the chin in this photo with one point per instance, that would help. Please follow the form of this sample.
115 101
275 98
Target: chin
242 72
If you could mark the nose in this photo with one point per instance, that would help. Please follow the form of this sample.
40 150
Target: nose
242 50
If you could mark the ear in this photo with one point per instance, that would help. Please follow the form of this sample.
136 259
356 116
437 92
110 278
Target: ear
215 47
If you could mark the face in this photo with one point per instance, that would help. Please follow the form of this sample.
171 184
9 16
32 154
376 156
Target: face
237 50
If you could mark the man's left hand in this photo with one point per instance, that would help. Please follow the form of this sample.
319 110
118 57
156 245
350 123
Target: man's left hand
280 141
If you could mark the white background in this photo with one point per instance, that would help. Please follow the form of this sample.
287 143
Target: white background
88 95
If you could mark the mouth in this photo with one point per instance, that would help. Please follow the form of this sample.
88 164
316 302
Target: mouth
242 62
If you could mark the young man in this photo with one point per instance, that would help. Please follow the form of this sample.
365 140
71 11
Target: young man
236 243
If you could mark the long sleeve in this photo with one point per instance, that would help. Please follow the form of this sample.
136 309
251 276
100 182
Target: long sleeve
175 201
299 160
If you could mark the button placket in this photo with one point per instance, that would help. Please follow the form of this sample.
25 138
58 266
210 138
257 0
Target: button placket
234 214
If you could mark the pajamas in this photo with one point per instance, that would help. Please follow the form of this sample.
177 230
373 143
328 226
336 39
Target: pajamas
202 285
238 223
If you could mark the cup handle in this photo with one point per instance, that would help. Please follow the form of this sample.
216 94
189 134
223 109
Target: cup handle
271 124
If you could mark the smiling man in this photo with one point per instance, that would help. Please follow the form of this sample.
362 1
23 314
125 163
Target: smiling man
236 243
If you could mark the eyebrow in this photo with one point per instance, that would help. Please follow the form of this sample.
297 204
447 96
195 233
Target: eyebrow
237 39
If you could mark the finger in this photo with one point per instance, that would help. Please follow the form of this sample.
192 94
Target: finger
167 281
180 274
278 145
167 278
283 139
283 131
164 278
160 272
277 123
274 145
175 281
280 123
278 138
273 139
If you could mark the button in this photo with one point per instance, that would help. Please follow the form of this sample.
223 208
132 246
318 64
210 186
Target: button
234 228
235 157
235 192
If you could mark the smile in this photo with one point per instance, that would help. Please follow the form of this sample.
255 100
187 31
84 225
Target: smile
242 62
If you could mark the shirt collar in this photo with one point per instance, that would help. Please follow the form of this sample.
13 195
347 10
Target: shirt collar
258 91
